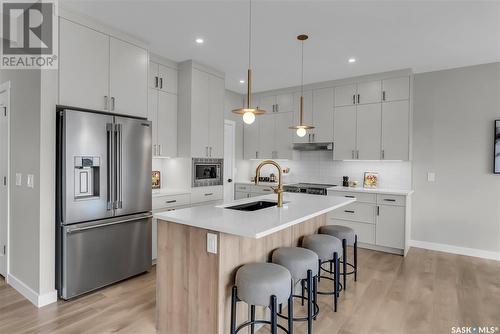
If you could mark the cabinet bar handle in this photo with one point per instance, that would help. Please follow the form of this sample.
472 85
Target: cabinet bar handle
383 154
378 210
349 196
112 103
354 99
210 148
161 83
389 200
206 151
106 102
159 146
172 201
383 95
209 194
277 107
349 211
352 154
357 154
358 98
156 81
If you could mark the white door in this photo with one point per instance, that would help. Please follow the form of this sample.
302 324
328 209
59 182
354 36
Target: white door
344 133
153 117
200 114
266 136
396 89
4 170
369 92
284 103
390 230
345 95
83 67
323 115
395 130
251 139
229 160
167 124
369 124
128 78
168 79
283 135
216 97
307 115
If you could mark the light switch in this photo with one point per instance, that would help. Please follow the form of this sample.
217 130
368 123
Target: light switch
431 177
19 179
212 243
31 181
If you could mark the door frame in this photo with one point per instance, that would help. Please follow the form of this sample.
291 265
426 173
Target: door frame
6 87
233 153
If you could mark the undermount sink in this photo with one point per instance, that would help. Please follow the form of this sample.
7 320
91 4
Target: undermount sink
252 206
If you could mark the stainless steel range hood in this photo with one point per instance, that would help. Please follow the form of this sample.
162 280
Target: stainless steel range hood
313 146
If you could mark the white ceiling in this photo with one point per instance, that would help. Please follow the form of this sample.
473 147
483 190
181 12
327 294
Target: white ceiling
381 35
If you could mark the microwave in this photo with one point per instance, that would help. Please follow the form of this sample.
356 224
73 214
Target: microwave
207 172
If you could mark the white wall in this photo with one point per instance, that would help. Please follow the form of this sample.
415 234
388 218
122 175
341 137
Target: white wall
454 113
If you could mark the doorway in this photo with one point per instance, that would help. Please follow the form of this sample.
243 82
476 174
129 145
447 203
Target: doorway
4 172
229 159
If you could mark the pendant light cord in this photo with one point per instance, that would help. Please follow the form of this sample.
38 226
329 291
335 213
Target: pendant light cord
302 74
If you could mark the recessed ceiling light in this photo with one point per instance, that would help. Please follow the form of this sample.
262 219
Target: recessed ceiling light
352 60
242 81
199 41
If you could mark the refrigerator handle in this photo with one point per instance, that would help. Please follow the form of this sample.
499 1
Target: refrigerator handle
109 169
118 164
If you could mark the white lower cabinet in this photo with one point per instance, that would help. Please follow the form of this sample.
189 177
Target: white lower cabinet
379 220
206 194
245 190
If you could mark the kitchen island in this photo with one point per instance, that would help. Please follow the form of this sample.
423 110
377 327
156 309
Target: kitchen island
200 248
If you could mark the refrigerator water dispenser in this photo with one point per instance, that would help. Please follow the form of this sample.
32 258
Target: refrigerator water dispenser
87 177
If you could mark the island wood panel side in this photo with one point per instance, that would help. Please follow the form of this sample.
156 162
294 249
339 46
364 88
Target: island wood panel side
236 251
187 281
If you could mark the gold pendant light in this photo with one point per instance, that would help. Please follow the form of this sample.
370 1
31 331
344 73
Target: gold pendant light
302 128
249 113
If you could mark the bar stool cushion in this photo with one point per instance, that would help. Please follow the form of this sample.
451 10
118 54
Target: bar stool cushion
323 245
297 260
257 282
339 231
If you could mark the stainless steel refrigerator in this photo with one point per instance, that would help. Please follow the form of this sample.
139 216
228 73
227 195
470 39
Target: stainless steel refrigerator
103 204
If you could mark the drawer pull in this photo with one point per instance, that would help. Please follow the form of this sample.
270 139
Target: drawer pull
209 194
389 200
172 201
349 196
266 189
349 211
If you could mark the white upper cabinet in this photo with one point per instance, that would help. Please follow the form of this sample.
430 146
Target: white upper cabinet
395 130
275 103
251 141
368 131
154 79
323 115
153 117
100 72
344 132
167 125
369 92
266 136
267 103
283 135
396 89
201 112
163 78
345 95
128 73
285 103
216 116
83 67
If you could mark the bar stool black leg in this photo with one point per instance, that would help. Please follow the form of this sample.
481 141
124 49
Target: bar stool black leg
319 270
344 262
233 310
303 292
290 311
355 258
309 301
336 281
274 315
252 318
315 292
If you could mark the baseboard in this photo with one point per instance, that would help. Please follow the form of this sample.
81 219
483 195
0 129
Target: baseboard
28 293
474 252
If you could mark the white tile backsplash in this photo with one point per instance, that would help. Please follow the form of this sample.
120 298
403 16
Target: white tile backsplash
318 167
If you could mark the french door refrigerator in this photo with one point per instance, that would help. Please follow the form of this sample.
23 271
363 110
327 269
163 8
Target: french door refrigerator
103 190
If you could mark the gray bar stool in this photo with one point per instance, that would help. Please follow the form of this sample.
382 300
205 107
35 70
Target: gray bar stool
349 238
329 250
262 284
301 263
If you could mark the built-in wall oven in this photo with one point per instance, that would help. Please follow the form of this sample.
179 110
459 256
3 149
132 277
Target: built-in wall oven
207 172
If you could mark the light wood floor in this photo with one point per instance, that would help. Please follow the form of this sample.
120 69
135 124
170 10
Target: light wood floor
427 292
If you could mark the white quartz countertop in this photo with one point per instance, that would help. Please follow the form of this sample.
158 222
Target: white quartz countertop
373 191
256 224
